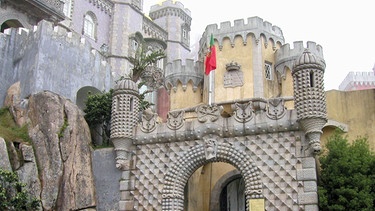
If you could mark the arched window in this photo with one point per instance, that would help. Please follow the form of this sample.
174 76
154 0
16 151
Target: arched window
89 25
67 8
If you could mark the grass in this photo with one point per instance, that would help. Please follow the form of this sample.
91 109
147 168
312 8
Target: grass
9 129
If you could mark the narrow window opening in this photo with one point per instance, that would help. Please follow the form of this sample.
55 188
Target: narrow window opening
312 83
117 103
131 104
268 71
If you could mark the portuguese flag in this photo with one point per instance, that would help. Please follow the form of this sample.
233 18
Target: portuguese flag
210 63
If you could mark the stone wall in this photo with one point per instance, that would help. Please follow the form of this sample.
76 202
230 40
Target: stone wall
106 177
51 58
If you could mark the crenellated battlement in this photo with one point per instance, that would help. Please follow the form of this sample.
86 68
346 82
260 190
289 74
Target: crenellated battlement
24 37
358 78
170 8
285 56
255 26
49 57
176 72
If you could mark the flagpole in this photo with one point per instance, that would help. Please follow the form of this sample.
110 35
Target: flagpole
210 65
210 87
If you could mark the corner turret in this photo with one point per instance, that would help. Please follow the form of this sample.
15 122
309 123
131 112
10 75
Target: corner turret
125 109
184 83
309 96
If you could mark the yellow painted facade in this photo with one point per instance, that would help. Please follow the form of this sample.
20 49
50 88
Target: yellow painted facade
354 110
242 54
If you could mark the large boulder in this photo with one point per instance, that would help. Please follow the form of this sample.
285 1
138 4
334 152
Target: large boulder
61 138
61 141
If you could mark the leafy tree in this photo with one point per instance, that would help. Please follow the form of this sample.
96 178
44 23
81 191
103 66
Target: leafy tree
98 112
142 59
98 106
347 177
12 194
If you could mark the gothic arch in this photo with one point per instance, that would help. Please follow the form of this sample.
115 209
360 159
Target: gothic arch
191 160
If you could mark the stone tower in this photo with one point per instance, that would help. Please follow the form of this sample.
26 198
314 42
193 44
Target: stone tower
176 20
127 19
309 96
125 109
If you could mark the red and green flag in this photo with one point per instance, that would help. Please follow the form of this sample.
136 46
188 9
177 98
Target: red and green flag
210 63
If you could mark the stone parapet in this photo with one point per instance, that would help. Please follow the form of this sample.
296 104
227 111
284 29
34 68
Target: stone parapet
249 118
172 8
255 26
52 52
176 72
360 79
286 56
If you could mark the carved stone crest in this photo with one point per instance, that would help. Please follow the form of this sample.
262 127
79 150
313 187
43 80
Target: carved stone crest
210 147
175 119
243 112
208 112
149 121
276 108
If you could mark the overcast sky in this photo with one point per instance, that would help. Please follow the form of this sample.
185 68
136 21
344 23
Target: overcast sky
345 29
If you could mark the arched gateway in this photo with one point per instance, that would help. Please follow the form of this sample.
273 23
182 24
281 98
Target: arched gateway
211 151
272 147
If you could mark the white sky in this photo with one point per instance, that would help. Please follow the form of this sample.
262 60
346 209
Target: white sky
345 29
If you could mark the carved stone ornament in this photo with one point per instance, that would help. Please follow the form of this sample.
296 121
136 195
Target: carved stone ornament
208 112
276 108
175 119
243 112
122 164
149 121
210 147
153 77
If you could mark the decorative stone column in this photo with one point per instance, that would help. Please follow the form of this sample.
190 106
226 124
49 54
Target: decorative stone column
309 96
125 112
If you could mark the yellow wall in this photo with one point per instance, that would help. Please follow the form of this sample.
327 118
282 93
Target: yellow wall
184 99
271 87
355 109
242 54
202 182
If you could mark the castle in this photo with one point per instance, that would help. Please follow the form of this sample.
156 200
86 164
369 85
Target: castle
248 144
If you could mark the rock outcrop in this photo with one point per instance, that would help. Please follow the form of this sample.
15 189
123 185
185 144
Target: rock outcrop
60 140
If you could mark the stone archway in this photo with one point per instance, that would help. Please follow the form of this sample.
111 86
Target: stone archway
191 160
82 95
220 185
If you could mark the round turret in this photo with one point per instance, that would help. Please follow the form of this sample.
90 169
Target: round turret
125 109
309 96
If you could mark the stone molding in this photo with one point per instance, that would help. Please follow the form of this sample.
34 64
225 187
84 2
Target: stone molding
248 118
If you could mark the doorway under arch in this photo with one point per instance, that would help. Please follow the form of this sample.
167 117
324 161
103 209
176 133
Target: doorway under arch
11 23
173 197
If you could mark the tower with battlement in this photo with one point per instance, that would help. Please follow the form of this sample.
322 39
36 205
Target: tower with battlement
175 19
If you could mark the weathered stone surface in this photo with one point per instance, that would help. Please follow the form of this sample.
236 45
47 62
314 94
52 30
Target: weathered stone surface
106 179
4 157
61 141
28 172
17 106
